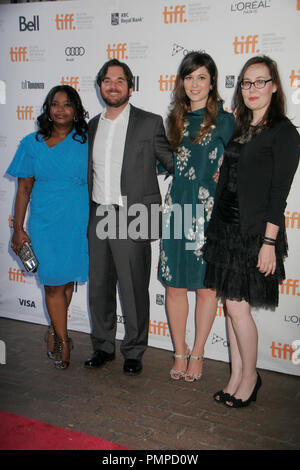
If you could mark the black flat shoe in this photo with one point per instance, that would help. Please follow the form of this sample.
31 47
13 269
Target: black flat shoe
99 359
221 397
132 367
238 403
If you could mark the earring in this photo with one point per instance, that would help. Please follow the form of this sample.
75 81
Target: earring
49 119
75 119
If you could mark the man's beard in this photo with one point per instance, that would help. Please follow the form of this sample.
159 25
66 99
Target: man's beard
118 103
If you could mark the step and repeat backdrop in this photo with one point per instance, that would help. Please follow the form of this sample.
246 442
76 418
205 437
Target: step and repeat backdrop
50 43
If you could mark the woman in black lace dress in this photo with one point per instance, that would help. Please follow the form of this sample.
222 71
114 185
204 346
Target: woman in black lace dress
246 239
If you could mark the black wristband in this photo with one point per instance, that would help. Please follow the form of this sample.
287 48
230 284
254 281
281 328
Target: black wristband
266 242
270 239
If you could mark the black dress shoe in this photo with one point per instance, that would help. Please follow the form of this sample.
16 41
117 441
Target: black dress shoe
99 359
132 367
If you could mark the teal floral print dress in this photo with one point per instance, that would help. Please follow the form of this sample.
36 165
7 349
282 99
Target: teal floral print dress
189 200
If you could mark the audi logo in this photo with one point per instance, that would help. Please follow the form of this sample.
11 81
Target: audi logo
74 51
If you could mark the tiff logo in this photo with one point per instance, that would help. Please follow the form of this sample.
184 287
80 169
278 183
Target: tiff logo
71 81
167 82
158 328
11 221
293 220
174 15
289 287
16 275
18 54
64 22
25 113
295 79
280 351
245 46
117 51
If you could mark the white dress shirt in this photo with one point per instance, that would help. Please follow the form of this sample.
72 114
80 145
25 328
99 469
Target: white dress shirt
108 154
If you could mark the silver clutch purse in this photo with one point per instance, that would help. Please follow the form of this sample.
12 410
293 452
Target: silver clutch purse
28 258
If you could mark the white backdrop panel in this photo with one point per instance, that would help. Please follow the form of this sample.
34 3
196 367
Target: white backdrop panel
152 37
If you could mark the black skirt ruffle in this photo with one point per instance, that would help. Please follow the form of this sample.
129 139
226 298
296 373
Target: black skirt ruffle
231 265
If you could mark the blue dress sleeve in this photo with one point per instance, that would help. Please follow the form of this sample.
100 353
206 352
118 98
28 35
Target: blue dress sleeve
226 127
22 163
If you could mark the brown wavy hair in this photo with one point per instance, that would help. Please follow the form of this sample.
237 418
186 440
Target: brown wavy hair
180 103
277 108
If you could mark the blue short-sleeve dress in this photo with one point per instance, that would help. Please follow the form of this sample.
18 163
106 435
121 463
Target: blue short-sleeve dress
59 206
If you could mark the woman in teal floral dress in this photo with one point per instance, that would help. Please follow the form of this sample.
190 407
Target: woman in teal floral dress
198 130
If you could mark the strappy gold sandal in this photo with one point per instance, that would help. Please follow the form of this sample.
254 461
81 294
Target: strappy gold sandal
189 377
177 374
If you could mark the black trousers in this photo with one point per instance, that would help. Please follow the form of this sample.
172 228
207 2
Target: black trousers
128 263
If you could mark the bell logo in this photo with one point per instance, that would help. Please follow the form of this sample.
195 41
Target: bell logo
71 81
25 113
117 51
33 25
166 83
280 351
295 79
292 220
16 275
245 46
18 54
64 22
174 14
289 287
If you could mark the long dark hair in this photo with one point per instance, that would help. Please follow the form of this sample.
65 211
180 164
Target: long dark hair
180 103
277 108
45 125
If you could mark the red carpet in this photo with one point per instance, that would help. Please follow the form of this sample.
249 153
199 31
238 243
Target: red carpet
19 433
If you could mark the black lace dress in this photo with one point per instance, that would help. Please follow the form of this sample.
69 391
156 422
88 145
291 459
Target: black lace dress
231 255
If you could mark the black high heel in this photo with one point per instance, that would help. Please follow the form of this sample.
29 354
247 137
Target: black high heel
60 363
51 353
238 403
223 396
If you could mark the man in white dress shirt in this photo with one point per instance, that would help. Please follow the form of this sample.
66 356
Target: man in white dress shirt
125 143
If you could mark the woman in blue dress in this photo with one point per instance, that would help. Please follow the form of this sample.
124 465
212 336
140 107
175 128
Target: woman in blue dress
198 130
51 166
